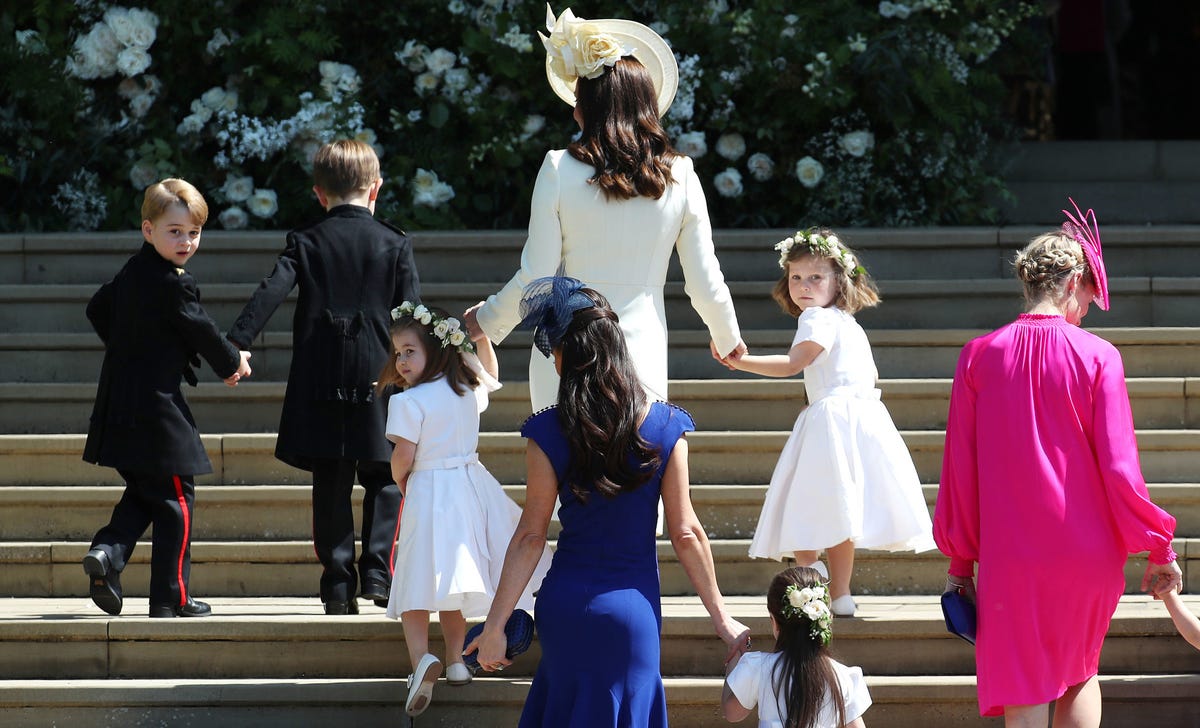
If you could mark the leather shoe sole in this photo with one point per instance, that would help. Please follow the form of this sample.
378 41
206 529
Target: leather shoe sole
193 608
104 582
336 608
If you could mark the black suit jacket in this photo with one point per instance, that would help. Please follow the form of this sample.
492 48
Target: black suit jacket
152 324
352 269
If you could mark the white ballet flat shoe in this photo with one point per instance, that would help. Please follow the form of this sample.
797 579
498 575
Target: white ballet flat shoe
458 674
420 685
819 566
843 606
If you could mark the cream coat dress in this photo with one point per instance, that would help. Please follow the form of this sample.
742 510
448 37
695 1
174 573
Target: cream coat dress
622 249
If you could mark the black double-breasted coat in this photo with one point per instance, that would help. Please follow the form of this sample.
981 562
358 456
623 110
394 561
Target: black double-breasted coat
352 269
153 326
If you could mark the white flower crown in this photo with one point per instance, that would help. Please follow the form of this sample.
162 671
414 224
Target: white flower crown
825 246
447 330
810 603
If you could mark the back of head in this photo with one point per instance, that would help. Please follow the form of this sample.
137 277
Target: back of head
804 675
345 166
622 138
1045 264
162 195
601 403
856 288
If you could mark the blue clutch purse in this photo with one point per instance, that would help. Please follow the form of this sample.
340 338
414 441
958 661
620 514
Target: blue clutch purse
518 630
960 615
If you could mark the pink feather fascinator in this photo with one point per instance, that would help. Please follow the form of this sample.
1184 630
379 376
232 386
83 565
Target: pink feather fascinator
1083 228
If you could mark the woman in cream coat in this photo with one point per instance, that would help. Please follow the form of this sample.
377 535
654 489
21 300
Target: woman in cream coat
620 246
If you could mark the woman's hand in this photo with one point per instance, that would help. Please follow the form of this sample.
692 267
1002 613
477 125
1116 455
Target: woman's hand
727 359
964 584
492 645
1162 578
736 637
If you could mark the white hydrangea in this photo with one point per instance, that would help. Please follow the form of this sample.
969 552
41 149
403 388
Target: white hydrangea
810 172
731 146
692 144
729 183
233 218
263 203
761 166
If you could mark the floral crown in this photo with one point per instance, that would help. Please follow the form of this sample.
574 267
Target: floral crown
825 246
809 603
448 330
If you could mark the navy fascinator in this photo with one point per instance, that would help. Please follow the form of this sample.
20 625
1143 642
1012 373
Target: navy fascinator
548 305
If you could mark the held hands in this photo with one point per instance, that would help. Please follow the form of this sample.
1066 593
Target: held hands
492 644
471 321
1161 579
243 370
736 637
730 359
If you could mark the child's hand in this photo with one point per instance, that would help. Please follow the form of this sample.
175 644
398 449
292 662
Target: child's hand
243 369
1162 578
471 322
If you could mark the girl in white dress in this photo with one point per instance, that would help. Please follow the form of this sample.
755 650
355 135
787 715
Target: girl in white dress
845 477
798 685
456 520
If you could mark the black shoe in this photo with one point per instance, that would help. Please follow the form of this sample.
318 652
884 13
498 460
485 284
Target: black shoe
105 581
350 607
376 590
193 608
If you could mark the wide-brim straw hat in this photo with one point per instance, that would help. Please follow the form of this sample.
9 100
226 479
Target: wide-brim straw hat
645 45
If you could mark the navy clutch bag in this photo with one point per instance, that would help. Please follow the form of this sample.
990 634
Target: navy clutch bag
518 630
960 615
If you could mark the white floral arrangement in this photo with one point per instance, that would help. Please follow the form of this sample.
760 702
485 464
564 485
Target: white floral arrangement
824 246
810 603
577 48
449 330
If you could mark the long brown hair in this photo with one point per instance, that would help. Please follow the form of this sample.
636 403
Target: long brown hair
622 137
439 360
804 674
600 406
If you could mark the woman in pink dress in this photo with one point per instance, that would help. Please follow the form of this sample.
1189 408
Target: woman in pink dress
1042 486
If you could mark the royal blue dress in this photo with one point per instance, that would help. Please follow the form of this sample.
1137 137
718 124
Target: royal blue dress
598 612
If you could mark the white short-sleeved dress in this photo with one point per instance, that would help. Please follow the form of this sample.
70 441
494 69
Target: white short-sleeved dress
751 682
845 472
456 521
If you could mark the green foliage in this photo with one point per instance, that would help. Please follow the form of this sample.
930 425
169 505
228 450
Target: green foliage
898 105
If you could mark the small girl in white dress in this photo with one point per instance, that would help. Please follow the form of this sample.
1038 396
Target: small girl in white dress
456 521
798 685
845 477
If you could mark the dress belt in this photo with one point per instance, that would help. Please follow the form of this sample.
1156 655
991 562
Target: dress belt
446 463
847 391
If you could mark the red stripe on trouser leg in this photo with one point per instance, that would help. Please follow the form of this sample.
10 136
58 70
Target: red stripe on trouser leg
187 535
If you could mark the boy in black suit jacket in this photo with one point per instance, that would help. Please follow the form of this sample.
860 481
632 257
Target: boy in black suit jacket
352 270
150 319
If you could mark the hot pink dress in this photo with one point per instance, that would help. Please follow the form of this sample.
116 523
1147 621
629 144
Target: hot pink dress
1042 486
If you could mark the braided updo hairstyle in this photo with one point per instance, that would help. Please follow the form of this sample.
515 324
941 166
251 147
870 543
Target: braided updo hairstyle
1045 264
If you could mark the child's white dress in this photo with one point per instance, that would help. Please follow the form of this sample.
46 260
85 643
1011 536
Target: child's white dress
845 472
456 521
752 684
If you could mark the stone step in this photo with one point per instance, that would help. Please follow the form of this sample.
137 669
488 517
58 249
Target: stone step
899 353
1158 301
897 702
1168 456
288 568
745 255
730 404
290 638
284 512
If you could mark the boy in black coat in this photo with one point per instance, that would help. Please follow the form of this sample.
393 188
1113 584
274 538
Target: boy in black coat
352 270
150 319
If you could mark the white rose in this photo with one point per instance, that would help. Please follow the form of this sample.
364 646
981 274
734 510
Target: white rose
809 171
238 189
119 21
426 82
856 143
902 10
218 41
420 310
202 111
592 51
424 318
413 56
692 144
442 193
140 105
329 70
424 180
263 203
440 60
887 9
233 218
731 146
214 98
441 329
453 324
143 174
457 338
761 167
191 124
729 183
143 28
795 598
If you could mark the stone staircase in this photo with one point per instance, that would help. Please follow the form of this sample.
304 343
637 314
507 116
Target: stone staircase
269 657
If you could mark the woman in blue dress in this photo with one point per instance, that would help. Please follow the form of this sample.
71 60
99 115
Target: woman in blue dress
608 454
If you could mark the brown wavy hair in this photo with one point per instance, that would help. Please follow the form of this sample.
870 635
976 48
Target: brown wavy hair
623 139
439 360
853 293
600 406
804 675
